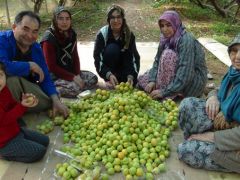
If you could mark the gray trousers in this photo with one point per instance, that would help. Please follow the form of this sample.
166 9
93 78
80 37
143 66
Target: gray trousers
19 85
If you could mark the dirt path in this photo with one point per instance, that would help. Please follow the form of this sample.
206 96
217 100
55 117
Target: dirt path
142 19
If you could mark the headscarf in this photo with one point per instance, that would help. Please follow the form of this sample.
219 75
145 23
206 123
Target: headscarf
56 12
235 41
125 29
173 18
230 99
64 37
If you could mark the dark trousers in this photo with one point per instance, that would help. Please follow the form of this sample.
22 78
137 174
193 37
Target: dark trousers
28 146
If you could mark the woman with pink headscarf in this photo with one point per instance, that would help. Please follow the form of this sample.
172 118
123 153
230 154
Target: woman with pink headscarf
179 68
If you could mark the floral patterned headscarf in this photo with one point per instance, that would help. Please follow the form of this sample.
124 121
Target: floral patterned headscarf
173 18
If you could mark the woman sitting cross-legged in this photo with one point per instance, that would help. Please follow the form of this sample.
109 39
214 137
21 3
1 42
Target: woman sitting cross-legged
115 53
59 45
179 68
211 127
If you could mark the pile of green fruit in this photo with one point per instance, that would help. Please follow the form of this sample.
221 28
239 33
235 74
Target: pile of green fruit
66 171
58 120
45 127
124 129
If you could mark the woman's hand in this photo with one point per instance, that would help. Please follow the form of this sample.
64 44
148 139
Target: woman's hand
150 86
79 81
29 100
58 106
130 80
207 136
113 80
212 107
156 94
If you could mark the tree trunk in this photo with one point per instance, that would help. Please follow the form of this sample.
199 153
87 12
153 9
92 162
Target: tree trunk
7 12
222 12
198 2
37 5
236 13
46 6
62 2
25 4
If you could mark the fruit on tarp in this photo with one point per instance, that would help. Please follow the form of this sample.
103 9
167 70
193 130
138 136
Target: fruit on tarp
124 129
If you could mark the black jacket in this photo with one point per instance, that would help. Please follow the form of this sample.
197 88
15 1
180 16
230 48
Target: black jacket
129 66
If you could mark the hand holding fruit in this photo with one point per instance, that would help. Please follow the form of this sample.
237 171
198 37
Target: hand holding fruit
79 81
149 88
156 94
130 80
58 106
113 80
29 100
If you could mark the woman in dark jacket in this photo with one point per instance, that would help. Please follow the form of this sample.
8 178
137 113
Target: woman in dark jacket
115 53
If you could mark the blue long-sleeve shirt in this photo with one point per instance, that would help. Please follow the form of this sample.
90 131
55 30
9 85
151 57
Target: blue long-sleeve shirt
22 68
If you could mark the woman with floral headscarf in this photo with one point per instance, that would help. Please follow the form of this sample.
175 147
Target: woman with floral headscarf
179 68
59 45
115 53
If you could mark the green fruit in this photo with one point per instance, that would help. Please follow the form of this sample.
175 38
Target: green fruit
73 172
104 176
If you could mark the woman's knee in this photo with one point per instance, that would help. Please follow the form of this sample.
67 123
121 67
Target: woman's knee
187 103
37 155
186 153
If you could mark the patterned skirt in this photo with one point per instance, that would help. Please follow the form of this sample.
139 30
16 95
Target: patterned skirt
165 74
193 119
69 89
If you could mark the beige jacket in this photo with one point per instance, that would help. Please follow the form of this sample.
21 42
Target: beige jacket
227 152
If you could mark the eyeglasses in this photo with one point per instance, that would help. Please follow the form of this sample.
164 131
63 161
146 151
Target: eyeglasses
63 18
115 17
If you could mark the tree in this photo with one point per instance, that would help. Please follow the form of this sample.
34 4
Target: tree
37 5
25 4
7 12
223 7
62 2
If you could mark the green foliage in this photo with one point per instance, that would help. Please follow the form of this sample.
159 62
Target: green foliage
194 12
89 17
94 2
158 3
224 28
223 39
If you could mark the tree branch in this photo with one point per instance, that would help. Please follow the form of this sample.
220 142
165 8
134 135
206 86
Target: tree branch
221 11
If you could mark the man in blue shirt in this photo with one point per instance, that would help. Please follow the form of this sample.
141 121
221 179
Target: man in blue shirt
25 63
